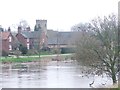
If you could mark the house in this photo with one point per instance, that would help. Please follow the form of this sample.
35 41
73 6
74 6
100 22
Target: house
41 37
7 39
33 39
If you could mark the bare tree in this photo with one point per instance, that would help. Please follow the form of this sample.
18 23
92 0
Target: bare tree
97 46
39 42
23 24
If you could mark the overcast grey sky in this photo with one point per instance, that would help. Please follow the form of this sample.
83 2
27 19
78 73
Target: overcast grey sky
61 14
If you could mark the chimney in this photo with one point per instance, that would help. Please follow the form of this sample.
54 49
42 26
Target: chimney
19 29
28 28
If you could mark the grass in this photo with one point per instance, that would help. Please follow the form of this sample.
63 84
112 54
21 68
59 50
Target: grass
26 59
30 58
42 53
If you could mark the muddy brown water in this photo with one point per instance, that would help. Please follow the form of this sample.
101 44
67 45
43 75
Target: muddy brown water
50 74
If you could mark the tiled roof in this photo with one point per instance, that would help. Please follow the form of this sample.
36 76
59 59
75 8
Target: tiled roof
55 37
4 35
33 34
15 38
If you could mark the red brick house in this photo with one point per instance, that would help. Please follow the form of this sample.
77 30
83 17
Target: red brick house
7 39
31 39
24 39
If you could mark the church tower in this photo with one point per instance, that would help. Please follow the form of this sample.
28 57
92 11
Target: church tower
41 25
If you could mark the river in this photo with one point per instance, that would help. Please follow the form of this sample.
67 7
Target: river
52 74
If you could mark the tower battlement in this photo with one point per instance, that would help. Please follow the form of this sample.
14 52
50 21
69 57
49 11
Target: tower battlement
41 25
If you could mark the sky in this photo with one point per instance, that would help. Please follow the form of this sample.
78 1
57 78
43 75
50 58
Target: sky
61 15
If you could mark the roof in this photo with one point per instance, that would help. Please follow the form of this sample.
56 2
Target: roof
15 38
55 37
33 34
5 35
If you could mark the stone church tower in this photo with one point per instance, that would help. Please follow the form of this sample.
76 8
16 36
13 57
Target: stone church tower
41 27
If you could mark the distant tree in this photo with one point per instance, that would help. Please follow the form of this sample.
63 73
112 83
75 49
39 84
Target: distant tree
38 42
97 46
23 24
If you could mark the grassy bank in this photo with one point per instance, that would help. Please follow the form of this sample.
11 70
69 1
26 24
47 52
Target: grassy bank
26 59
32 58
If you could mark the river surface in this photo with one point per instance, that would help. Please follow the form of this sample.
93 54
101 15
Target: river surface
51 74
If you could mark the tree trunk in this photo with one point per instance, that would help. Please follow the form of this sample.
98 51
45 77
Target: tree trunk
113 76
114 79
39 53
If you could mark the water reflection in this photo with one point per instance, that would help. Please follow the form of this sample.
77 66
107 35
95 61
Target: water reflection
49 75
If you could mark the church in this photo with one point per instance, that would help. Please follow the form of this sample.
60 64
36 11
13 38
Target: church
41 37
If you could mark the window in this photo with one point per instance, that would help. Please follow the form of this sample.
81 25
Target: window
43 40
28 46
10 39
27 39
10 47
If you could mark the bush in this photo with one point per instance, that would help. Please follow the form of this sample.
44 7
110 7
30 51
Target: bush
67 50
17 53
23 49
56 51
45 53
4 53
45 49
32 52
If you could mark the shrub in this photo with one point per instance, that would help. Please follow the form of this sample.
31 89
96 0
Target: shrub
4 53
67 50
32 52
23 49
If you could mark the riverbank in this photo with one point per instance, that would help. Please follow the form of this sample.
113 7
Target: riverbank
35 58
